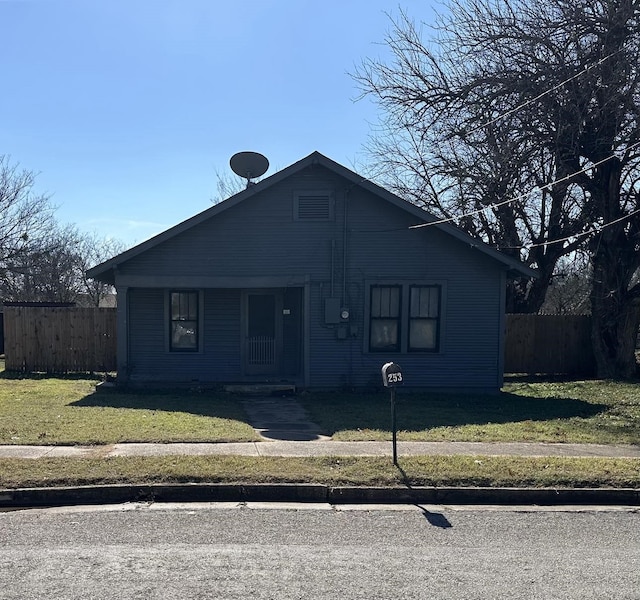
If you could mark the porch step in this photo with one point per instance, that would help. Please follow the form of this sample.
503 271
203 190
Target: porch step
260 389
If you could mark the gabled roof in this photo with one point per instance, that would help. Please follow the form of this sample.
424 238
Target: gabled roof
104 271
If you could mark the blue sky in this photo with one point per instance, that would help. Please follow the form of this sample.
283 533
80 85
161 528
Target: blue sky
127 109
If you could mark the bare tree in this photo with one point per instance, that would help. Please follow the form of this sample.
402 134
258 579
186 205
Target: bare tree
47 272
519 120
227 185
41 260
54 269
25 217
570 289
93 250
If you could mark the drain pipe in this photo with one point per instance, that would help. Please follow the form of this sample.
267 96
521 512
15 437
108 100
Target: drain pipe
344 249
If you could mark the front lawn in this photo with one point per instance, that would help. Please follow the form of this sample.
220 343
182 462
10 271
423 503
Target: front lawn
68 411
601 412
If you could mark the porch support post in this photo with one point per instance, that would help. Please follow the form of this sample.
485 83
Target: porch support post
306 365
122 331
502 329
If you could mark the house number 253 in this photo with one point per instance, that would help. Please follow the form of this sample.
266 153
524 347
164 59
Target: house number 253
394 377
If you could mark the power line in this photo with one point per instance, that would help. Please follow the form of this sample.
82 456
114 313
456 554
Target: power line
521 196
543 94
548 185
575 236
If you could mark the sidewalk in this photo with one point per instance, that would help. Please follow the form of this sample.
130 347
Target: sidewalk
11 499
322 448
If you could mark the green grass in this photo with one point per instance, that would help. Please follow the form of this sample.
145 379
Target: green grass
43 410
354 471
68 412
602 412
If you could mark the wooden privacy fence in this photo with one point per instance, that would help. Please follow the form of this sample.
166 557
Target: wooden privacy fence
67 340
59 340
549 344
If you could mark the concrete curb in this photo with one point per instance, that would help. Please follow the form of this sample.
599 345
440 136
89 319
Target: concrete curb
203 492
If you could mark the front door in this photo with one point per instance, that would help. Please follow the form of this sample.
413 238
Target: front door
262 332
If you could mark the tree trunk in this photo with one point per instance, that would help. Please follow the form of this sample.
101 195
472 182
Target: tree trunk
524 296
615 306
614 329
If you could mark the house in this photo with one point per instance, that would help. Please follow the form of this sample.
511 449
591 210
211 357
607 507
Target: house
314 277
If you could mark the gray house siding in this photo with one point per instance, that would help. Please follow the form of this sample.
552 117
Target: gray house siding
149 358
381 249
286 242
257 237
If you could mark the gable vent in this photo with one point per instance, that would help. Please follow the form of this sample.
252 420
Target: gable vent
313 207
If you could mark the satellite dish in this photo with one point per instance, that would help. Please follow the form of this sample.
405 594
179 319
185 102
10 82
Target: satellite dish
249 165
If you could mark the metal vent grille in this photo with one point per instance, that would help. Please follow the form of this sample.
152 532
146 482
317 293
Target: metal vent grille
313 208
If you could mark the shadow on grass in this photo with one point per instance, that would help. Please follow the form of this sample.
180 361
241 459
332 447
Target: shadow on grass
200 404
418 412
20 375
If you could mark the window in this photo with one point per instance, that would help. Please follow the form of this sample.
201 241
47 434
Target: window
405 316
183 321
424 318
384 327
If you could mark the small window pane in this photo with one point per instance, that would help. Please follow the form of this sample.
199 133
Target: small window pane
375 302
414 302
183 335
423 334
394 302
175 306
193 306
433 309
425 302
384 334
385 301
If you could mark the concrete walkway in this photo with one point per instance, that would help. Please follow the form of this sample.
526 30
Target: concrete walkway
322 448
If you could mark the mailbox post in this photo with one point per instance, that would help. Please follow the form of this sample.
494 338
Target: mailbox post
392 377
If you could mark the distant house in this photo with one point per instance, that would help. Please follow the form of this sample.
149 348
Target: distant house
313 277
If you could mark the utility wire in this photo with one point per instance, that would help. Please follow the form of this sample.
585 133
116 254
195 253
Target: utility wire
543 94
539 188
521 196
575 236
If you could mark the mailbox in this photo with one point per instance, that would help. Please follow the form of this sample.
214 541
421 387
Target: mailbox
391 375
